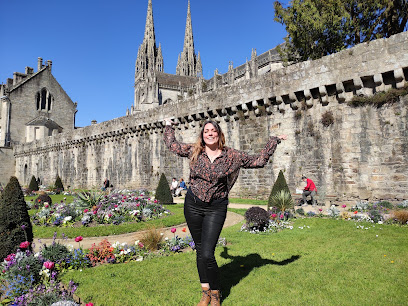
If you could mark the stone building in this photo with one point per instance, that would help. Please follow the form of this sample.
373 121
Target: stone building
350 152
33 106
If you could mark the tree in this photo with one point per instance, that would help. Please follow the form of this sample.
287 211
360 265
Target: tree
33 186
163 193
279 185
15 225
320 27
58 184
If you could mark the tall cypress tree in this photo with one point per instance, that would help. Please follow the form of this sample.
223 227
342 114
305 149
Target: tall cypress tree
163 193
58 184
279 185
15 225
33 186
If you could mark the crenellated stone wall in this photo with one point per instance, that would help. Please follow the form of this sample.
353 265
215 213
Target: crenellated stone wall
362 153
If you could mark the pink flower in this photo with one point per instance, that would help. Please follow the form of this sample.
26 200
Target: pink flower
10 257
274 215
78 239
89 304
344 205
116 205
110 215
94 212
155 201
140 245
138 204
49 265
148 199
86 210
281 216
320 209
173 230
46 205
24 245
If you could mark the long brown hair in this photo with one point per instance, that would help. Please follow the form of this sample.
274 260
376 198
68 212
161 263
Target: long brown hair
199 145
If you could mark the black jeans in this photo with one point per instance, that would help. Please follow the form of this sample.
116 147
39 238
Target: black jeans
205 222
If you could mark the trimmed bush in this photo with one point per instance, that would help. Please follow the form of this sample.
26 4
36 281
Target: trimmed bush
41 199
33 184
163 193
279 185
257 218
15 225
58 185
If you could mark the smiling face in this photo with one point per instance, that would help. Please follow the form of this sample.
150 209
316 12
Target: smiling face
210 135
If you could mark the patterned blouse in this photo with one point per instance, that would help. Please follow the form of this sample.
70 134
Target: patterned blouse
213 180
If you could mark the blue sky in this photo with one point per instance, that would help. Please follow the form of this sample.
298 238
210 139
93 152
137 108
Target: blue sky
93 43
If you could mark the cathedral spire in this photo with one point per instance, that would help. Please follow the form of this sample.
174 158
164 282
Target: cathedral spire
188 59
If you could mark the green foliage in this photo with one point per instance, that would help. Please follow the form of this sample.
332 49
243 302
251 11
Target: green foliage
257 218
320 27
279 185
33 186
379 99
163 193
89 198
15 225
58 184
43 198
20 268
55 252
282 200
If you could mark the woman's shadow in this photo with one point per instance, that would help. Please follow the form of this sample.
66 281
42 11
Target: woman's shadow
240 266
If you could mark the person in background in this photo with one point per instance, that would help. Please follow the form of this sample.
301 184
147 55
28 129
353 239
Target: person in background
310 189
182 186
214 169
105 184
174 186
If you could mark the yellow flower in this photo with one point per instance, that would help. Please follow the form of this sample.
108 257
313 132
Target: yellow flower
392 261
385 255
241 266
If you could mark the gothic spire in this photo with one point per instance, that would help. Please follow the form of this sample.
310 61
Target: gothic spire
188 59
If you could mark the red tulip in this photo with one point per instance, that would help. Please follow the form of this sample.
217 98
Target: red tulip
184 229
49 265
78 239
173 230
356 212
24 245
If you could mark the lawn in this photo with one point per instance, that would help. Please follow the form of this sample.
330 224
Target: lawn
319 262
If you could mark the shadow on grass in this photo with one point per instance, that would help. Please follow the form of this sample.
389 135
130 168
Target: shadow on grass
240 267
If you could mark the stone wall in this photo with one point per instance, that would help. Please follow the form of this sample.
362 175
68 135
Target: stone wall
361 154
7 165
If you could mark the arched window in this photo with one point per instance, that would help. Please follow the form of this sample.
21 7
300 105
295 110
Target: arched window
44 100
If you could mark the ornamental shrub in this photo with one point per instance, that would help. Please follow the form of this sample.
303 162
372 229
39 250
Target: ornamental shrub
33 186
279 185
257 218
55 252
58 185
163 193
15 225
43 198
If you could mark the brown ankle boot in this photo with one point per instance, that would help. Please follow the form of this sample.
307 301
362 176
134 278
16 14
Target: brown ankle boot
215 298
206 298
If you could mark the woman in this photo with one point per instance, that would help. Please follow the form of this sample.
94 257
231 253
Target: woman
214 169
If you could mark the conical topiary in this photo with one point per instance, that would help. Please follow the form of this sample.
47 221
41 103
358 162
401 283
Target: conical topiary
163 193
279 185
33 184
58 184
15 225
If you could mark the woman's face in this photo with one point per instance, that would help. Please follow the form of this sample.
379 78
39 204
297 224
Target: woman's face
210 135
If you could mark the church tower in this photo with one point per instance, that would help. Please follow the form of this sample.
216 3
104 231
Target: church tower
188 63
149 60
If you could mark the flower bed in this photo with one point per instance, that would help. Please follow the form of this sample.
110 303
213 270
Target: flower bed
92 209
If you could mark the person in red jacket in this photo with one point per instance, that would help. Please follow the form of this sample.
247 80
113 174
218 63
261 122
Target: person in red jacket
310 189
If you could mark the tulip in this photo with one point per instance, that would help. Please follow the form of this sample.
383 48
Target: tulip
24 245
86 210
173 230
274 215
344 205
184 229
49 265
356 212
89 304
78 239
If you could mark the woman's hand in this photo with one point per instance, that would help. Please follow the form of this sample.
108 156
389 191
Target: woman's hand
283 137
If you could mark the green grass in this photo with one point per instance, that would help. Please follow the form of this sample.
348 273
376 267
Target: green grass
55 198
248 201
176 217
330 263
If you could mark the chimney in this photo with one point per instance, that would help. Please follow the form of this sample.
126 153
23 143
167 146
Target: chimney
49 64
40 65
94 122
29 70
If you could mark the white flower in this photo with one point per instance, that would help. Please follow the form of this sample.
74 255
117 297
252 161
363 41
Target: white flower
140 258
137 242
161 234
380 222
167 238
67 219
